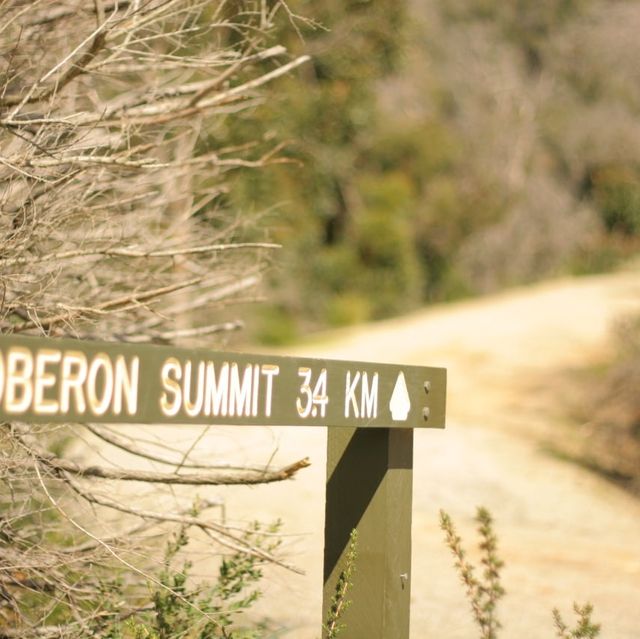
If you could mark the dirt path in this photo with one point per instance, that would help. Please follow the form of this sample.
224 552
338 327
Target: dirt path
564 533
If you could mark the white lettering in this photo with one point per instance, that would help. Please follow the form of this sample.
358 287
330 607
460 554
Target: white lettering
193 408
217 391
240 392
126 385
269 371
255 389
19 392
70 383
171 407
350 395
367 407
369 400
44 379
305 389
100 405
72 380
320 397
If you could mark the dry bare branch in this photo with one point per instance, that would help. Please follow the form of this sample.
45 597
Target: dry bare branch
118 130
216 478
124 252
106 435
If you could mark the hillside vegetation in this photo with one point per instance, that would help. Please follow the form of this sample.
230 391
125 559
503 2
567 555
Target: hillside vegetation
448 148
453 148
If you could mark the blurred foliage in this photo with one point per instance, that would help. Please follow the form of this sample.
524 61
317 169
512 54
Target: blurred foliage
187 608
445 149
616 191
609 411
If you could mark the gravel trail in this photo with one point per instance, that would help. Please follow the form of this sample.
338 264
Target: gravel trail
565 534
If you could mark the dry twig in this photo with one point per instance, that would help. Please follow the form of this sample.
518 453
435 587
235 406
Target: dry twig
116 223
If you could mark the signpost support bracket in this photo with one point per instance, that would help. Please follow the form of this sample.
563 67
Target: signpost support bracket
369 488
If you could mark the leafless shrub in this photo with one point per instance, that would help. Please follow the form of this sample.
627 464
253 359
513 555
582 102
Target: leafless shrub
102 175
114 225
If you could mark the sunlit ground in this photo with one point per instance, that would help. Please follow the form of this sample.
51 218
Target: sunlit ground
565 534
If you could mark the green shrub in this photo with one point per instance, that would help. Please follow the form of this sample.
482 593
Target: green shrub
340 602
276 326
485 591
182 609
347 309
616 191
584 628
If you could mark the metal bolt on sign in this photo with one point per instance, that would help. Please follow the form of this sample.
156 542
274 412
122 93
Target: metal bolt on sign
370 410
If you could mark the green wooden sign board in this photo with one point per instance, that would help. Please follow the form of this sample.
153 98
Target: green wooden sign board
69 380
370 410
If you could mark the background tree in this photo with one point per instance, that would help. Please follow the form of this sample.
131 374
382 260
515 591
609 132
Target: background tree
341 242
448 149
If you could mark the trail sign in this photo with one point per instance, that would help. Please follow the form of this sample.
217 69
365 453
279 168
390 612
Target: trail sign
70 380
369 409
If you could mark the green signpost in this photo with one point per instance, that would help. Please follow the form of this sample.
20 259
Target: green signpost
370 410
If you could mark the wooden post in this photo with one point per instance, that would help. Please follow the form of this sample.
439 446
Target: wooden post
369 484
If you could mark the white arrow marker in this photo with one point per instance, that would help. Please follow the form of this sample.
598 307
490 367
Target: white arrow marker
400 404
